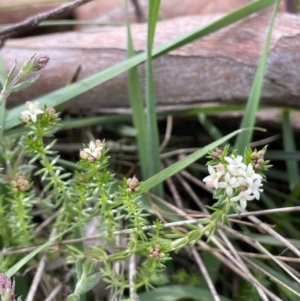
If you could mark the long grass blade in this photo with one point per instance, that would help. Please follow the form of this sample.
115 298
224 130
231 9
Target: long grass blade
152 140
255 93
289 146
137 103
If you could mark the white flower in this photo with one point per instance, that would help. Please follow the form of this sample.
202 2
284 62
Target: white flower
243 197
250 173
94 150
236 165
33 109
229 183
213 179
254 187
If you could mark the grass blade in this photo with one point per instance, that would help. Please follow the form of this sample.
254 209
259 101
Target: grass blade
137 103
254 98
289 146
152 140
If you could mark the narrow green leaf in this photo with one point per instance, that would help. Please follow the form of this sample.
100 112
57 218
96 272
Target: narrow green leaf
244 139
212 130
289 146
137 102
88 283
152 140
25 84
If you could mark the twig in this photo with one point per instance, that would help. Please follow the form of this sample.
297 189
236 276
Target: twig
138 11
274 234
254 255
271 276
258 246
37 278
205 274
175 194
239 259
34 21
58 288
131 274
168 133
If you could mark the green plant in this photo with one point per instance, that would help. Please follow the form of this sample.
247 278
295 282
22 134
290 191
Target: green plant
91 192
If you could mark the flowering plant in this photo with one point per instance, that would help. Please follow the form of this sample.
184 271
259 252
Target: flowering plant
236 178
73 198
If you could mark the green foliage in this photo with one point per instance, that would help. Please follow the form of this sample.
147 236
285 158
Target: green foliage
75 193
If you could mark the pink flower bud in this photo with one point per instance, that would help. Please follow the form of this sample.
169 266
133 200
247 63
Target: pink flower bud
161 255
132 182
157 247
91 159
40 62
261 154
25 118
83 155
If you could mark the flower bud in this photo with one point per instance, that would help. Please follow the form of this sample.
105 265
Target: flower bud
260 161
7 288
40 62
257 167
150 249
261 154
91 159
254 155
83 155
157 247
25 118
132 182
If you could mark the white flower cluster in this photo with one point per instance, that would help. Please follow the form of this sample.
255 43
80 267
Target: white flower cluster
240 182
33 109
93 152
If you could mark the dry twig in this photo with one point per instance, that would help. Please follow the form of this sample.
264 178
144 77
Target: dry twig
34 21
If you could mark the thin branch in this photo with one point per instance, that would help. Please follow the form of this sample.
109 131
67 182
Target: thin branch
34 21
258 246
253 255
37 278
168 133
272 277
239 259
274 234
59 287
205 274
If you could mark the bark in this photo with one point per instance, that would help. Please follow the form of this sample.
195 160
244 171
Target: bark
217 68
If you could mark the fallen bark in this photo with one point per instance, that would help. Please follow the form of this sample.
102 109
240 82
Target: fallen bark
217 68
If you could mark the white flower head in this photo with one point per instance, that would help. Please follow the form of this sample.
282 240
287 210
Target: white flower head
250 173
243 197
236 165
33 109
229 183
254 187
93 151
215 173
